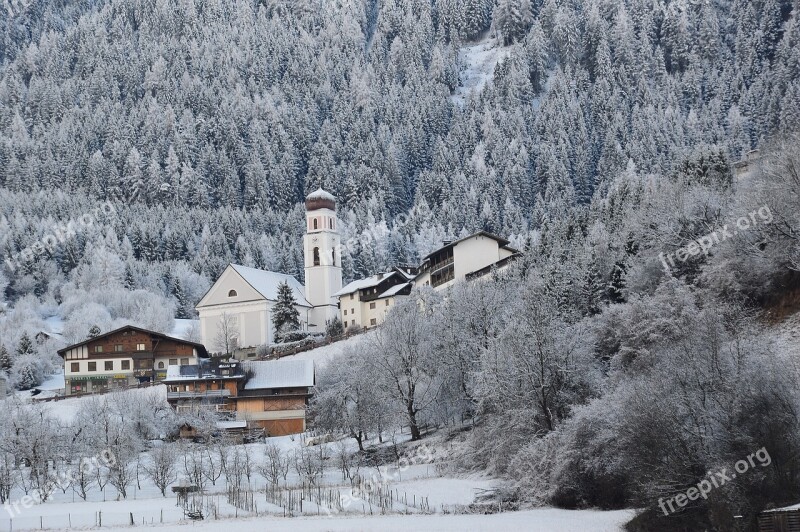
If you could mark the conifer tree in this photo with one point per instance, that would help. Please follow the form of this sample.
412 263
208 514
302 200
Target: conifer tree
25 346
5 359
285 316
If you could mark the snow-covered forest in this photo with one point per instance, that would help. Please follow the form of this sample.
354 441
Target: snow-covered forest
602 371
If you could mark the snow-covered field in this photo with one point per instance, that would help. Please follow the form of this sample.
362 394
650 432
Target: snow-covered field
421 480
540 520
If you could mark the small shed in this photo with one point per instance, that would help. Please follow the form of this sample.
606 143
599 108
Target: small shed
187 431
786 519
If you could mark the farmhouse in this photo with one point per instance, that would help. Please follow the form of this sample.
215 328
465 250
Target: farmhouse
272 395
239 304
123 357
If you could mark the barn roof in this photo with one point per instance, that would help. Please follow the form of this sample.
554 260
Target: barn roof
279 374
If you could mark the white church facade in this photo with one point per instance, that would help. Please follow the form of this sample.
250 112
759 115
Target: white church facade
239 304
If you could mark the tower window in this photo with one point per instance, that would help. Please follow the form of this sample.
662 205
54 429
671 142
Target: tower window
315 223
333 257
331 222
232 293
316 256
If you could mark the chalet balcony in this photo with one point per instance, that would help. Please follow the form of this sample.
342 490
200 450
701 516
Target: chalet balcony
208 394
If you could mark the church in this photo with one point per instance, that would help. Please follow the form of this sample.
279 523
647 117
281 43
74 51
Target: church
239 304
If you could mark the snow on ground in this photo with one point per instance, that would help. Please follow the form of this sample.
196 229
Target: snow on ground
322 355
66 409
55 324
479 60
539 520
53 382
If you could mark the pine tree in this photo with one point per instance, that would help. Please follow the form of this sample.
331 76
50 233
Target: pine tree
25 346
335 328
285 316
94 332
5 359
27 377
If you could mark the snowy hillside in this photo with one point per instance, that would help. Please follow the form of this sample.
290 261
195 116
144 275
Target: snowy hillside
478 62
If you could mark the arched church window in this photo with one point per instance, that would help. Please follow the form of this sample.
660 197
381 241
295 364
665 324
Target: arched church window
160 365
315 223
316 256
232 293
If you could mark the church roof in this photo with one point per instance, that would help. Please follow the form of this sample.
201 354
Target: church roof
321 194
266 283
320 199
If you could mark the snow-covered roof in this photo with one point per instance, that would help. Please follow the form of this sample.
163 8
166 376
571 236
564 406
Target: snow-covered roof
361 284
321 194
280 374
228 425
394 290
266 283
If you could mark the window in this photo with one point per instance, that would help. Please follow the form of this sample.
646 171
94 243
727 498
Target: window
118 348
75 367
352 311
353 323
387 302
126 364
232 293
372 305
140 347
184 362
351 296
345 312
173 361
315 223
331 220
109 365
373 321
161 365
316 256
98 349
92 366
333 257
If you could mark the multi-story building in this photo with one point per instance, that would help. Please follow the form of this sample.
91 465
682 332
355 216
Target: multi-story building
124 357
463 259
365 302
270 395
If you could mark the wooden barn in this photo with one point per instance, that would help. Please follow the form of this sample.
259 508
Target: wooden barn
785 519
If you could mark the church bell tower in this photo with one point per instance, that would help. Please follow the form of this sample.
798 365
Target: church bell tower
323 265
